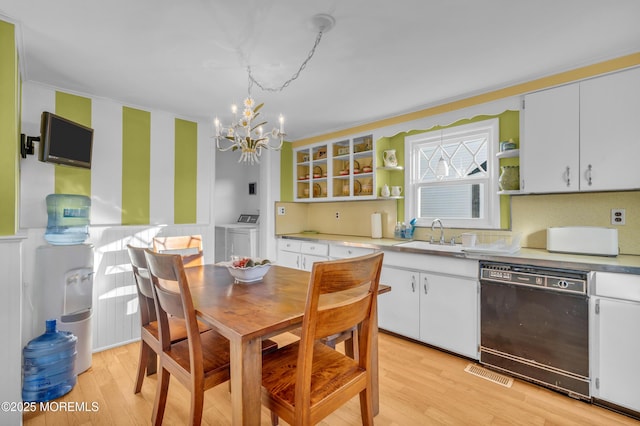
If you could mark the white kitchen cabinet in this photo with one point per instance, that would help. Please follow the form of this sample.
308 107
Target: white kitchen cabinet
449 313
301 254
438 306
610 131
343 252
583 136
616 342
399 310
289 259
549 158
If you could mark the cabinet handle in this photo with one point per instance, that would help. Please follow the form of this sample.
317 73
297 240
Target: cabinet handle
426 285
304 263
568 176
413 283
589 174
298 262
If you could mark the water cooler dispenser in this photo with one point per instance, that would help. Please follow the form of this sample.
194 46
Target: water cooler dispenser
64 272
64 292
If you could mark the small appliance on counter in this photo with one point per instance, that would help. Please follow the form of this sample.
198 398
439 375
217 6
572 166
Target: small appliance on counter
592 240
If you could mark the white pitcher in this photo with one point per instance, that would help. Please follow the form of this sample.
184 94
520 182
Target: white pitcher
385 192
389 157
396 191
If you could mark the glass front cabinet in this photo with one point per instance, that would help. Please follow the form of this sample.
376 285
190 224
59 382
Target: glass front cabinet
339 170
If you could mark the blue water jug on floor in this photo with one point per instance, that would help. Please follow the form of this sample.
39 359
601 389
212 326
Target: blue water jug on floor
68 219
48 365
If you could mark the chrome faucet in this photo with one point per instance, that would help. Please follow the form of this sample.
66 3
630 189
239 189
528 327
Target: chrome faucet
433 227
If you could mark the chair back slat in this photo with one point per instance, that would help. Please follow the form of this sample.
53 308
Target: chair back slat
337 319
143 284
188 246
140 270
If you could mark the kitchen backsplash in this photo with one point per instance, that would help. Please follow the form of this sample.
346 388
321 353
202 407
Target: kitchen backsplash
531 216
340 218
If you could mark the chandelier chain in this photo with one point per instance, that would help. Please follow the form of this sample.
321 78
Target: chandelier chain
252 79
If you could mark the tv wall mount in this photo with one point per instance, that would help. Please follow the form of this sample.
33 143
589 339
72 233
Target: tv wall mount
26 144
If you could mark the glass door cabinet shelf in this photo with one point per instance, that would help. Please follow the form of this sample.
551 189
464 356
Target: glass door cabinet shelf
338 170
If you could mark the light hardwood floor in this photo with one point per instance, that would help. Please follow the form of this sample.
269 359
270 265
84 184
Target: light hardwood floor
418 386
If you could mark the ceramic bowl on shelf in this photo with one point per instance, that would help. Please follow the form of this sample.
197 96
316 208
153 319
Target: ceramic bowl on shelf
367 169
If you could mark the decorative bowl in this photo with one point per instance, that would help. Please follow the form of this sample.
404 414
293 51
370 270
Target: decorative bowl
247 274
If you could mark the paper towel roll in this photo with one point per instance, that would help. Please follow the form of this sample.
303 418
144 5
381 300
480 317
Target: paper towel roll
376 225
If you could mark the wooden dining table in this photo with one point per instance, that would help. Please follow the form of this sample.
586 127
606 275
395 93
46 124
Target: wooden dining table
246 313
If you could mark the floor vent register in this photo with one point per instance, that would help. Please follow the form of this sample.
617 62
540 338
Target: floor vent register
486 374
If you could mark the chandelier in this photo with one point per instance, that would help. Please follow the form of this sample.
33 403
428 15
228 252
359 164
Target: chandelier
246 136
246 132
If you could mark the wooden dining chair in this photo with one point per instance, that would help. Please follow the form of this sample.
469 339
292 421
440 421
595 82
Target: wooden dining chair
307 380
188 246
149 335
199 362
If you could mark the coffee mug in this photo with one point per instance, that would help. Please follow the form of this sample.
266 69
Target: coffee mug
396 191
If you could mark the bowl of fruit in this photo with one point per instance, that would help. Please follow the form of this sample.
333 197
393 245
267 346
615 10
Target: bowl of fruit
248 270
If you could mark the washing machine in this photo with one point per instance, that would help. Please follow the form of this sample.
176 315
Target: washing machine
237 239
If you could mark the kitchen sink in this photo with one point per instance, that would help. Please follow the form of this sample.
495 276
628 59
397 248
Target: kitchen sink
426 245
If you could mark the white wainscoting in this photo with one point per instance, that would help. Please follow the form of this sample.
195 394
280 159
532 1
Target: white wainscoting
10 333
116 319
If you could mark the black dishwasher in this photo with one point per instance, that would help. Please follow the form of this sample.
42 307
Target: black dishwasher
534 324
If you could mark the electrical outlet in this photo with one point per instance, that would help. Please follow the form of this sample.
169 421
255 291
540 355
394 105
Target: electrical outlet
337 215
617 217
281 211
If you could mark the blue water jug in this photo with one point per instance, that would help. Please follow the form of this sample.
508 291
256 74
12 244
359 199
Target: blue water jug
48 364
68 219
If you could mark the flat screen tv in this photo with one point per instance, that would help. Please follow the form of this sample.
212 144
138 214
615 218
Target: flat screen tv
63 141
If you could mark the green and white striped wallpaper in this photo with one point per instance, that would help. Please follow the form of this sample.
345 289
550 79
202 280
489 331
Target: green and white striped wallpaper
148 167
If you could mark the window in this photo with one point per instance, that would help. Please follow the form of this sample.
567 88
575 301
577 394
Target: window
452 175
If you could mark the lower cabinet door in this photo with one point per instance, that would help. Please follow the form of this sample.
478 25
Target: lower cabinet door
399 309
307 260
617 347
449 313
289 259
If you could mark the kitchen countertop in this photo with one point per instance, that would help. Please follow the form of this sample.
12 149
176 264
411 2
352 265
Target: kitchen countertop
627 264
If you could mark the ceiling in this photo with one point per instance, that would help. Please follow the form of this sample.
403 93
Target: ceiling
382 58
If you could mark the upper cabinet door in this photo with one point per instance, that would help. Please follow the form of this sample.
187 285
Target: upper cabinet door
549 154
610 132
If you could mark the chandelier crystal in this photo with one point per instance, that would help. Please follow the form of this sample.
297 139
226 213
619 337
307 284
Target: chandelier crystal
245 133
